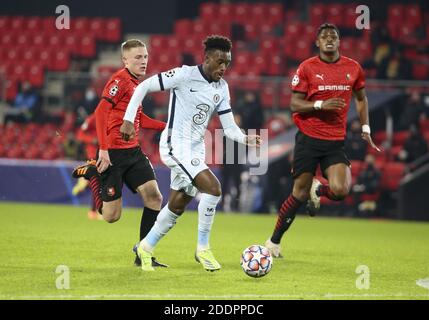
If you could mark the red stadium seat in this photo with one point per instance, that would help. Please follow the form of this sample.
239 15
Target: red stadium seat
317 14
258 12
395 13
38 41
275 65
55 41
251 31
8 40
113 30
350 15
420 71
34 24
183 27
269 45
45 57
158 43
97 28
60 60
30 56
379 137
241 12
400 137
356 167
36 75
174 44
413 14
17 23
11 89
87 46
80 25
268 96
22 40
275 13
49 25
209 11
285 95
20 71
4 24
275 125
392 174
226 14
72 43
335 14
293 30
200 28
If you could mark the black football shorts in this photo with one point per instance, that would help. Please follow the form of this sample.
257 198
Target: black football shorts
309 152
129 166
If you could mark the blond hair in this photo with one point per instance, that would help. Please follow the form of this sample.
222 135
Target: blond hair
131 43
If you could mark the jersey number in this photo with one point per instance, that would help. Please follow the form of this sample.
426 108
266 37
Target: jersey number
201 116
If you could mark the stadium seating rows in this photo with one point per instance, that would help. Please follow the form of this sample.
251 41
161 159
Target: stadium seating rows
274 29
26 52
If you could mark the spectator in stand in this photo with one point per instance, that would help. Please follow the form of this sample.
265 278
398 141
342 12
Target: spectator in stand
26 107
414 147
355 145
252 115
413 110
367 183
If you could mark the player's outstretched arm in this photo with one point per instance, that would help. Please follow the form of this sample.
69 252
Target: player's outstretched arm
300 105
149 85
361 101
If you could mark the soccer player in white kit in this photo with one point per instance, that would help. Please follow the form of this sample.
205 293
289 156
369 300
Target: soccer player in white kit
196 92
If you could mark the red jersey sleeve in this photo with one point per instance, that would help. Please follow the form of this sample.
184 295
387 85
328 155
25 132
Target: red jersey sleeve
360 80
101 117
114 90
300 81
148 123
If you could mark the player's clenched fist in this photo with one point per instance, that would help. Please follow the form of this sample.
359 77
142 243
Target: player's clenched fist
333 104
127 130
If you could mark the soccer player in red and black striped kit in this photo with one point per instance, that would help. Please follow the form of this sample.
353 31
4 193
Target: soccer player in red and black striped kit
321 92
121 161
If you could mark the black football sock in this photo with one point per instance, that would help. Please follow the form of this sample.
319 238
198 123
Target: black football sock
285 218
148 220
94 184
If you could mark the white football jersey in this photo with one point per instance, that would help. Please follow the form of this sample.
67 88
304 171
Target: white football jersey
193 100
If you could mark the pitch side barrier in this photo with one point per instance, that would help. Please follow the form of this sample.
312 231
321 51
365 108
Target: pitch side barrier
47 181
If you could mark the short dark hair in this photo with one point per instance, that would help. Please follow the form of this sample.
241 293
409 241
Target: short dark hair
216 42
327 25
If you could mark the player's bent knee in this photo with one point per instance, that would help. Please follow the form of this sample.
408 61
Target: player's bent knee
111 219
340 191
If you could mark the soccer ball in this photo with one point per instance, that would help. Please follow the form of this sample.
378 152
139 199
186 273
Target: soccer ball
256 261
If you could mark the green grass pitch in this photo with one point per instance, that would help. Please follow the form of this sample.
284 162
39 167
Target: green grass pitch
321 257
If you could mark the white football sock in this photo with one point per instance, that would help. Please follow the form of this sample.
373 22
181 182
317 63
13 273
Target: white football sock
164 222
206 213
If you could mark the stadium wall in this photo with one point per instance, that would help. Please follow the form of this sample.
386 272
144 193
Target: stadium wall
51 182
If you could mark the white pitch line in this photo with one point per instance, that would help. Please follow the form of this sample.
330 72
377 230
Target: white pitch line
202 297
423 283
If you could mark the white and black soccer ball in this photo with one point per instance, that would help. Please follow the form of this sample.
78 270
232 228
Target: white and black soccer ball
256 261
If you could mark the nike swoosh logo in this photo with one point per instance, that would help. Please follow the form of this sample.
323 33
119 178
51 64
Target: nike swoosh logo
208 215
193 90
